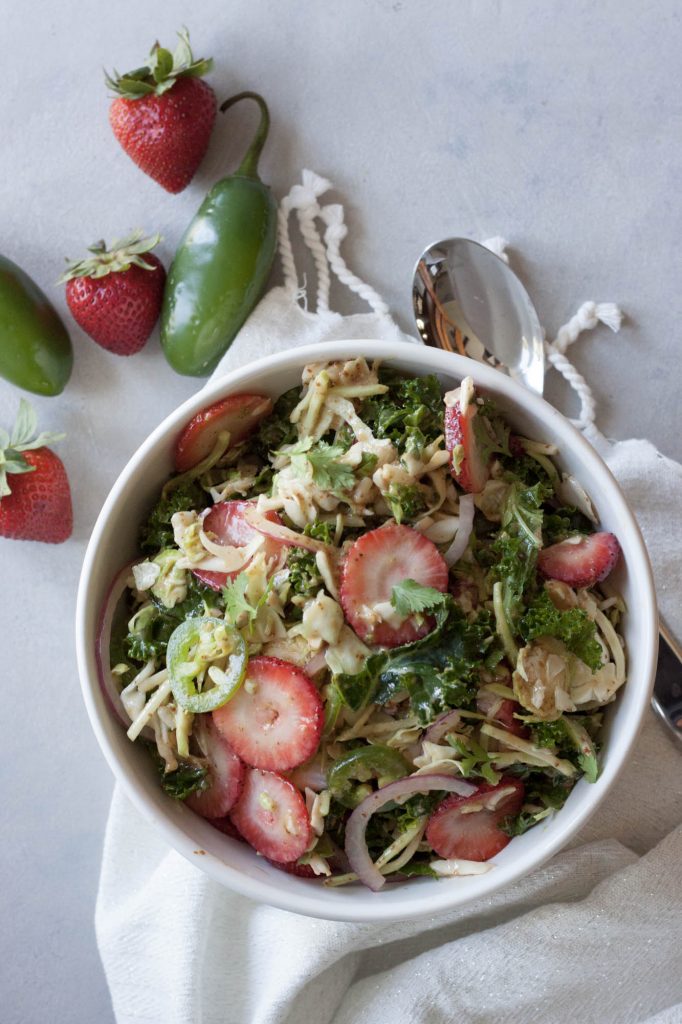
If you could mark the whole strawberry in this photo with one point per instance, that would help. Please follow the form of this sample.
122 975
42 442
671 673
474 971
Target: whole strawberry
164 115
35 498
115 294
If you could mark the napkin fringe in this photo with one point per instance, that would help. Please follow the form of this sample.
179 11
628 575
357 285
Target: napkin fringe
588 316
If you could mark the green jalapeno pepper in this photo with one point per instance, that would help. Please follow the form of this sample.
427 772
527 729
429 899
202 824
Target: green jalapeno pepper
222 263
35 348
375 761
210 648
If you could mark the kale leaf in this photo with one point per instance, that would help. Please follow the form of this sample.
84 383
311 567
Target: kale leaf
543 791
276 429
564 522
157 533
406 501
574 627
304 576
410 414
515 549
188 777
150 637
569 737
439 671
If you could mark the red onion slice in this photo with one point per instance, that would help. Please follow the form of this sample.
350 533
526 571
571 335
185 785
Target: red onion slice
356 847
315 664
282 533
447 722
107 681
466 525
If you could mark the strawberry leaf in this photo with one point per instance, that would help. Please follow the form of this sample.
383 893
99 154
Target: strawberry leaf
161 63
25 424
161 71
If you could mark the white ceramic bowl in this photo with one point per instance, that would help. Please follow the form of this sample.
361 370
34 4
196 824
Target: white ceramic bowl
234 864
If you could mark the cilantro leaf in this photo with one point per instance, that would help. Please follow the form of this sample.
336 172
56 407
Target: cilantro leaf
574 627
409 596
237 603
327 472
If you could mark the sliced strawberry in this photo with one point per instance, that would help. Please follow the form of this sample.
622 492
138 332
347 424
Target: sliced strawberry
238 414
467 465
372 567
227 827
502 710
467 827
226 525
300 870
227 777
580 561
272 817
275 720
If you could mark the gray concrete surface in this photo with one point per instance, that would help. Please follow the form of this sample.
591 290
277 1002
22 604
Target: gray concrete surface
557 125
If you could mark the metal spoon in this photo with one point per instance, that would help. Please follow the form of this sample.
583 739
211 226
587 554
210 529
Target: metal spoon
467 300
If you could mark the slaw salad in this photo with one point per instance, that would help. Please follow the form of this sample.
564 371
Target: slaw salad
367 632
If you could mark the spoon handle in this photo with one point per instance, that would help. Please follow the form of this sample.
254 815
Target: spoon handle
667 698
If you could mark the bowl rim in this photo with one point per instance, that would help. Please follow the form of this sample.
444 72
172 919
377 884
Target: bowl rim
361 905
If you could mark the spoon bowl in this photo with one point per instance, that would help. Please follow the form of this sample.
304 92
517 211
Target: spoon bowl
464 296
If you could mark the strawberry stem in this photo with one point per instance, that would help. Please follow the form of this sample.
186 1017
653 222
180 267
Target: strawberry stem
248 168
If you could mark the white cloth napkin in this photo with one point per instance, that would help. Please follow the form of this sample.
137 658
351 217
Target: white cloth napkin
594 936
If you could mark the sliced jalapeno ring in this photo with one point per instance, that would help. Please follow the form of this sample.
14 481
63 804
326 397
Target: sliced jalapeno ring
362 764
205 652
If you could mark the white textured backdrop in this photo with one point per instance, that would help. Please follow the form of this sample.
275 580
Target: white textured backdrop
557 125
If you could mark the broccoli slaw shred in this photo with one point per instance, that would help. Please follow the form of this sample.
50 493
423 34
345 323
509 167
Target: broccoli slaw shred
383 601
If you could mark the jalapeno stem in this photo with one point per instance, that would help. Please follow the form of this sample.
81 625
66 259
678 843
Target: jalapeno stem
248 168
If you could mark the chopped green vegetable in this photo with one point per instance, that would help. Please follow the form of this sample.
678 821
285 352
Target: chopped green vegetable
304 576
277 430
153 624
157 531
564 522
206 663
410 414
367 465
473 759
439 671
574 627
188 777
406 501
362 764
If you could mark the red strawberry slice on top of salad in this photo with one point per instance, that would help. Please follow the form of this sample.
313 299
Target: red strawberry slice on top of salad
238 415
468 464
226 773
375 563
272 817
275 720
468 827
580 561
225 524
